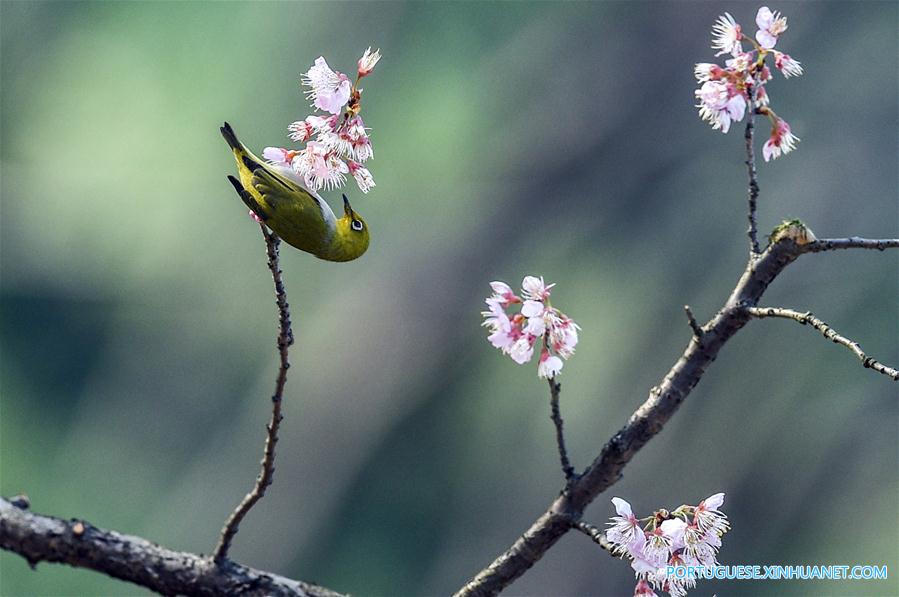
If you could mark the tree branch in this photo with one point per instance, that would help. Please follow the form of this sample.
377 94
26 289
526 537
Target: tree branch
77 543
596 534
648 420
691 320
285 339
753 232
828 332
554 389
854 242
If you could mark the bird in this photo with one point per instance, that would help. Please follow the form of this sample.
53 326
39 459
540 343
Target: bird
299 216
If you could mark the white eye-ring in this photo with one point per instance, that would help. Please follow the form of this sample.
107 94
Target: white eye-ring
356 225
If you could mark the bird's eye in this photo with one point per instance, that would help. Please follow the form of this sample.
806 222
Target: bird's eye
356 225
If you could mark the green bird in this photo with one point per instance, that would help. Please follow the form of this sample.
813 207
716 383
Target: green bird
296 214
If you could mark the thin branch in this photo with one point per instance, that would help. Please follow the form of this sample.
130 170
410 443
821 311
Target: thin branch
753 232
697 330
648 420
554 389
854 242
78 543
285 339
828 332
596 534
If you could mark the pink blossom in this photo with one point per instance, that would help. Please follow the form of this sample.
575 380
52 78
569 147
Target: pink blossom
781 142
726 36
536 321
644 589
625 532
522 349
368 61
319 167
503 292
761 97
708 517
771 26
363 177
300 131
720 104
534 288
500 325
330 90
549 366
786 65
278 155
705 71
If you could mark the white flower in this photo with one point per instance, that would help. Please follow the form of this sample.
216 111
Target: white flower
319 167
709 518
300 131
363 177
350 140
500 326
278 155
549 366
563 336
330 90
771 25
726 36
786 65
657 548
719 104
625 532
368 61
781 142
534 288
522 350
503 292
706 71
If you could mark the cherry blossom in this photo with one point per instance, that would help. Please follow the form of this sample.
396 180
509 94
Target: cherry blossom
771 26
537 323
368 61
786 65
725 93
781 142
337 142
726 35
688 536
330 90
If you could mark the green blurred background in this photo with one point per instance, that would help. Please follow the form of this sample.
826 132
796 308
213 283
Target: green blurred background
553 139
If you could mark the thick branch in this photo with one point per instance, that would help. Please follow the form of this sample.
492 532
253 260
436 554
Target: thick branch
133 559
647 421
829 333
285 339
554 389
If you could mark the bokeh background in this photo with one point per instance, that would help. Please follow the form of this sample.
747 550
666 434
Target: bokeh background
561 140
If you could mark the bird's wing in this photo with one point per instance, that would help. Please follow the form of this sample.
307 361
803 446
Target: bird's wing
294 213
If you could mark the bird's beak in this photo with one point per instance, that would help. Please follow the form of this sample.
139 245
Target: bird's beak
347 209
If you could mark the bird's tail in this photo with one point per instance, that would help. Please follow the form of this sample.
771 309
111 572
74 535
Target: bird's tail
231 138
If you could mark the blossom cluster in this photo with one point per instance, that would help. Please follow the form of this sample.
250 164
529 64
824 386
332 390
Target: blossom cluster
517 334
688 536
337 141
726 92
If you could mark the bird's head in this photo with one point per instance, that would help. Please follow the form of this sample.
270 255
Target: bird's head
351 239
